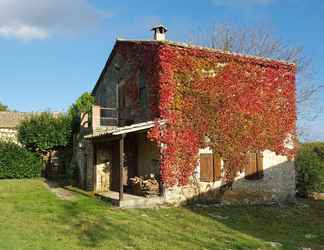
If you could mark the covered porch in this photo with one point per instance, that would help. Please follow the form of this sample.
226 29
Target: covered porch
121 155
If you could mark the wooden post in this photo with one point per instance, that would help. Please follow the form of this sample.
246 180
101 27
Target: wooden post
162 189
94 167
121 167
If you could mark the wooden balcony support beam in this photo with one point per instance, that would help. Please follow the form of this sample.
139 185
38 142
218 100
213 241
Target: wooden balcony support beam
121 167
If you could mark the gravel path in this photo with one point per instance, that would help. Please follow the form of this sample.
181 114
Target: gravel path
59 191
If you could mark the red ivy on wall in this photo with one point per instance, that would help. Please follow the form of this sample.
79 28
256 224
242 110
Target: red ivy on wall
241 104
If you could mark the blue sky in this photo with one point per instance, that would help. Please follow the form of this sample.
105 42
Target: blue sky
53 50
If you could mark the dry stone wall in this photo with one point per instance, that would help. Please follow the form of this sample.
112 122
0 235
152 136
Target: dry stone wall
8 134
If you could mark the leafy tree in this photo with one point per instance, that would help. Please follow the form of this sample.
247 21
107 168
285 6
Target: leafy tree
3 107
44 133
83 105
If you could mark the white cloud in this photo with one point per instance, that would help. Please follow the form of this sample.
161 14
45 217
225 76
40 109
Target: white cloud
23 32
39 19
241 3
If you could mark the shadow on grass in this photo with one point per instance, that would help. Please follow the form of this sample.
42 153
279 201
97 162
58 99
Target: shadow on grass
134 229
293 226
96 225
101 227
91 224
88 218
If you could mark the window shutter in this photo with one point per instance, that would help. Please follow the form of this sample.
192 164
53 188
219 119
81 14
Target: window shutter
251 168
217 167
206 167
254 169
260 165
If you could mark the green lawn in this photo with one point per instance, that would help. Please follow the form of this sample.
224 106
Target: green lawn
31 217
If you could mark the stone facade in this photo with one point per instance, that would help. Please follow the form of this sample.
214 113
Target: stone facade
277 185
148 156
103 169
9 122
83 160
97 161
118 79
8 134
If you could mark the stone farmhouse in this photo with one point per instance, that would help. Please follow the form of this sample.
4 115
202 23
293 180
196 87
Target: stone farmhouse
118 162
9 122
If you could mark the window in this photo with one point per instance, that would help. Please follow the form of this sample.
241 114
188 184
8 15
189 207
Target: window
142 91
210 167
254 170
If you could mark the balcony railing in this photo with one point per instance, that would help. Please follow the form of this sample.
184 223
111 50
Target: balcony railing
108 117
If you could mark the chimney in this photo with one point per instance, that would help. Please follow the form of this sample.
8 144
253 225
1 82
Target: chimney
159 33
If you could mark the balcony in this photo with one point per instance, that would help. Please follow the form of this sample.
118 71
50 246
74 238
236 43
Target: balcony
101 119
108 117
104 118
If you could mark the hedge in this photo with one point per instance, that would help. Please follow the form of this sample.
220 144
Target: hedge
310 168
16 162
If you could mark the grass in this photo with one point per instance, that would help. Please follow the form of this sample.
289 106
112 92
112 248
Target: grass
31 217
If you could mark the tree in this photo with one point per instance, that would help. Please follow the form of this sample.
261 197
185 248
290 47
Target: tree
3 107
262 41
82 106
44 133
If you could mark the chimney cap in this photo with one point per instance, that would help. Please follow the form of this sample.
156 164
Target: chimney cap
160 27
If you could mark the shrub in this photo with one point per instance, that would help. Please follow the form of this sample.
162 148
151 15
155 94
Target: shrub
310 168
17 162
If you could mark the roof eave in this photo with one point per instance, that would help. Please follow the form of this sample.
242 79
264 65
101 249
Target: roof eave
111 55
258 59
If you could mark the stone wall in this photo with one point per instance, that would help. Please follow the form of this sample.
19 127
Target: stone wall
114 91
83 159
103 168
8 134
148 156
89 167
277 185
